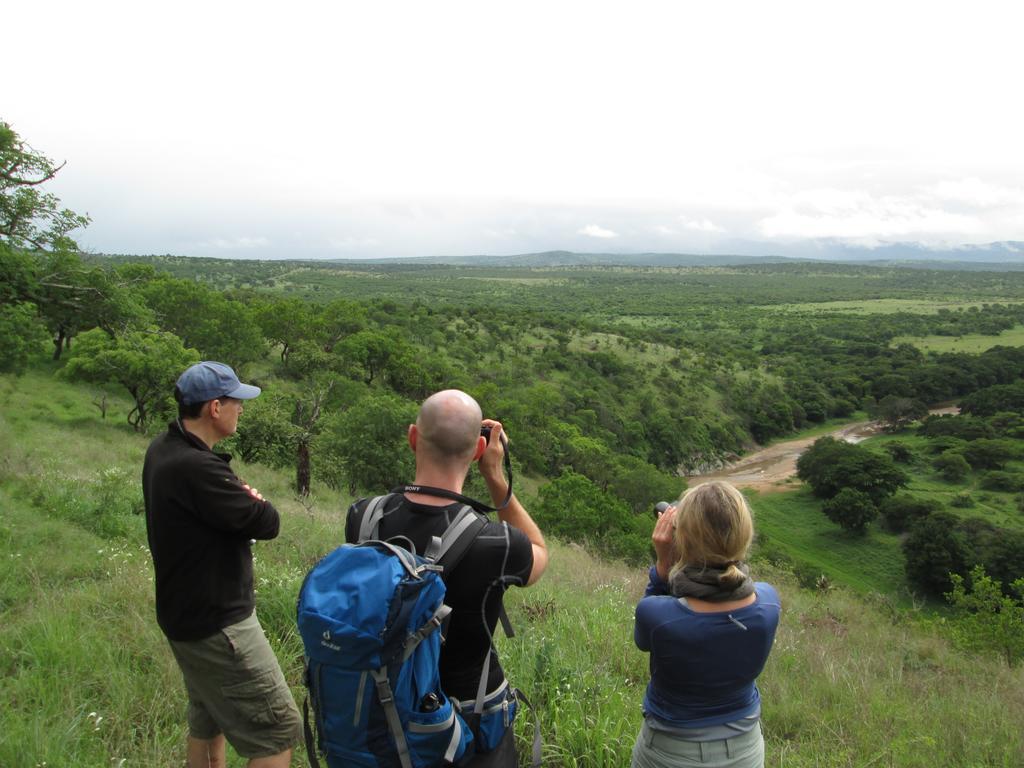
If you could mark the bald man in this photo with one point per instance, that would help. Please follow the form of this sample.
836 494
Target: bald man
446 440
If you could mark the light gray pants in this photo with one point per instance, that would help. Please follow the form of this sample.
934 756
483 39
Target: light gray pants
658 749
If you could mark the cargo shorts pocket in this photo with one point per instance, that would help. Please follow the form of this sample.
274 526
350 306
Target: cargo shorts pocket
260 700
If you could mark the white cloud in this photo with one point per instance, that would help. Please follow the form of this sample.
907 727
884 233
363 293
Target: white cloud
592 230
701 225
977 193
353 243
234 243
537 149
500 234
870 219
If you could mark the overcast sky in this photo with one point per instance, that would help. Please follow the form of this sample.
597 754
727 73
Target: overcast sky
340 129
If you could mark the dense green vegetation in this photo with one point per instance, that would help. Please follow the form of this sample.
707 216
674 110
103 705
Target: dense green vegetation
87 678
613 381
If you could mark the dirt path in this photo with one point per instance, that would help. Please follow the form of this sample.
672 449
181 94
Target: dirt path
774 468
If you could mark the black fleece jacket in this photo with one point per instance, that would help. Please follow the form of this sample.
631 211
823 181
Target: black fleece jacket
199 521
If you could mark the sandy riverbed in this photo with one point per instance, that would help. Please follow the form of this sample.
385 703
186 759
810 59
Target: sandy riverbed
774 468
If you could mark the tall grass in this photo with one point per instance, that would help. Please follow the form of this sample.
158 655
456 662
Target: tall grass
86 678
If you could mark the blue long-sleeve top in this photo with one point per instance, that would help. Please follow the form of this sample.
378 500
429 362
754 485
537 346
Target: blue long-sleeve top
703 665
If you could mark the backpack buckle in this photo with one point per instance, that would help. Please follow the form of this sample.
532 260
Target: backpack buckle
384 692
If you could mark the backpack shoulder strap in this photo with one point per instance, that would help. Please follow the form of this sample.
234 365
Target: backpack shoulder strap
452 545
369 519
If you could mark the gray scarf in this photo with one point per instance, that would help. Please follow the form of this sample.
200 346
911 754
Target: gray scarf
703 583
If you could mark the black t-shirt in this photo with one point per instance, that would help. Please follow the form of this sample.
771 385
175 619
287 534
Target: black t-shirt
475 586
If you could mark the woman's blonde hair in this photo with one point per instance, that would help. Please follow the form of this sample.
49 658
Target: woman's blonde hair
714 529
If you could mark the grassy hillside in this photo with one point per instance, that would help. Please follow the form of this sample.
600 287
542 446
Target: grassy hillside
791 527
87 680
971 343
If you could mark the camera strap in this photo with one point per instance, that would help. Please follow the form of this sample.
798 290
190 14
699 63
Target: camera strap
479 506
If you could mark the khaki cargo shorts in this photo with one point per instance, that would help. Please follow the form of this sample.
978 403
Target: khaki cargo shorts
236 687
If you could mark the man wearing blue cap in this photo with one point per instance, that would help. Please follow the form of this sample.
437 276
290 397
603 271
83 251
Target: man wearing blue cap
200 520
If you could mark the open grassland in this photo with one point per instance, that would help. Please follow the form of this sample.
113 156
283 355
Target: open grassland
888 306
792 528
641 355
972 343
87 679
997 507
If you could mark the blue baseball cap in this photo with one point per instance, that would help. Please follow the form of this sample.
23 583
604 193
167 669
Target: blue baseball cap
209 380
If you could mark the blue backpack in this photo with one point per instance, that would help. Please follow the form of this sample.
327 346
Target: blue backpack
369 615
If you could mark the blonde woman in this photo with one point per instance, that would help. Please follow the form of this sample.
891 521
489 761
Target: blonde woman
708 629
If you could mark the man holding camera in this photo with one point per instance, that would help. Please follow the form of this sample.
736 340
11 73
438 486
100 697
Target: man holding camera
200 520
448 436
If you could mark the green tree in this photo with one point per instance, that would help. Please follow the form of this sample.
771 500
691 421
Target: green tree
851 509
987 619
371 352
306 420
831 465
221 329
897 412
39 263
591 457
366 446
266 433
75 296
642 485
933 550
29 217
146 363
574 508
338 319
21 336
19 275
287 322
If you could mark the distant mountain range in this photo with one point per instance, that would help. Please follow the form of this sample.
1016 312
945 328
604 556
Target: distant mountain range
1008 255
1001 256
573 259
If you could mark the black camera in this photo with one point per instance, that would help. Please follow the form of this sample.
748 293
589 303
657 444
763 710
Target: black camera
659 509
485 433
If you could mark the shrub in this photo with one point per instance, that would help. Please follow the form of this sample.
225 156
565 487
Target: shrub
103 505
987 619
989 454
952 466
949 425
992 400
963 500
1008 424
1003 481
902 511
900 452
943 444
932 550
850 509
